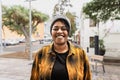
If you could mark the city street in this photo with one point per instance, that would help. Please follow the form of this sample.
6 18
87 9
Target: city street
21 47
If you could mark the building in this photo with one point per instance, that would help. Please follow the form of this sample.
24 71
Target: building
109 32
8 34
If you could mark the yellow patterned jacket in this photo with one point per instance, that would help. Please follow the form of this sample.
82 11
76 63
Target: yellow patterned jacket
77 64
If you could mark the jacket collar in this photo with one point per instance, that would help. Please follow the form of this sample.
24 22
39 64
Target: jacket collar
70 45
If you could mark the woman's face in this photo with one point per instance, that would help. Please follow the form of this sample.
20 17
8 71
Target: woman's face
59 33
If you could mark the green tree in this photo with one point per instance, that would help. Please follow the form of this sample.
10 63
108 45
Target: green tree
4 8
59 8
72 20
102 10
16 18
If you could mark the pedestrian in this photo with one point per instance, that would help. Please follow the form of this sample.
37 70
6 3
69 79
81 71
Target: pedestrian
60 60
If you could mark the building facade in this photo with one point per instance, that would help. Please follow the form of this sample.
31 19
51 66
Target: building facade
8 34
109 32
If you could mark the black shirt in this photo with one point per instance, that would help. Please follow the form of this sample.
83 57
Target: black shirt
59 71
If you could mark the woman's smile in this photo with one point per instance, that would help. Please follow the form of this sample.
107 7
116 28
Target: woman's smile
59 33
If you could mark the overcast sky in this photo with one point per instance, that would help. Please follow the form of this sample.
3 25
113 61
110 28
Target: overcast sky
45 6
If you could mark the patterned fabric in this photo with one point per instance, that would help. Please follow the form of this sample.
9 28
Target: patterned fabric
76 62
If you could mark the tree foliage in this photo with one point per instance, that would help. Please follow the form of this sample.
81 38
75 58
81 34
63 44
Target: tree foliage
72 20
60 8
16 18
102 10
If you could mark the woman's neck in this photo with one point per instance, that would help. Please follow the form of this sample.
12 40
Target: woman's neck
61 48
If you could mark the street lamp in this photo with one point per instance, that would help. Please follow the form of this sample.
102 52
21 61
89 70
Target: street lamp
30 29
1 48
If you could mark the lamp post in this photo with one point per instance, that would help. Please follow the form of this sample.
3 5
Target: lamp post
1 47
30 29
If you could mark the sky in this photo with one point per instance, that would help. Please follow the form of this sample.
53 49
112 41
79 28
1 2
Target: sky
46 6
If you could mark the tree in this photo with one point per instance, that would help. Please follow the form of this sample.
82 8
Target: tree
102 10
72 20
4 8
60 7
16 18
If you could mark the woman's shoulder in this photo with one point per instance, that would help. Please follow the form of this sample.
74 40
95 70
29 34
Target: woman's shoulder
43 50
45 47
77 49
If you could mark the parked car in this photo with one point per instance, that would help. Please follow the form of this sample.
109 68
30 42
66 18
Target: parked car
8 42
45 40
23 40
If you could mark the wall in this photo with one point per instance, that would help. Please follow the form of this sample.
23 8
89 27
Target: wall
8 34
109 32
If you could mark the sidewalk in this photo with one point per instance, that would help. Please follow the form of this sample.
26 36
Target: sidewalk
20 69
15 69
112 72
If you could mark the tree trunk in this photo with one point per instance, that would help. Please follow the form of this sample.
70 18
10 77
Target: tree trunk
27 48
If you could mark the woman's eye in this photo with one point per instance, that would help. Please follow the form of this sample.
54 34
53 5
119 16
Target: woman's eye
55 29
63 28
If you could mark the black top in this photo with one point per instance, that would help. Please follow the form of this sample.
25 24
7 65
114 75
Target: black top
59 71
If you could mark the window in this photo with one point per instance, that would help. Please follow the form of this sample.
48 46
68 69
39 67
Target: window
92 42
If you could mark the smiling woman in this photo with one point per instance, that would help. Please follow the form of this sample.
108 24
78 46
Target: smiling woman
60 60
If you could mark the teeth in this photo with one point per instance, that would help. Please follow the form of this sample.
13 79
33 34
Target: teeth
59 36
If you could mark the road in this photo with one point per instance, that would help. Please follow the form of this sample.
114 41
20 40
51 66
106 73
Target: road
21 47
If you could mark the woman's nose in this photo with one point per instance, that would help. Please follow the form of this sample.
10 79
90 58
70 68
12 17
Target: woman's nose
59 30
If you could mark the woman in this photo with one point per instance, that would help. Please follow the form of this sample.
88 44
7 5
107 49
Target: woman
60 60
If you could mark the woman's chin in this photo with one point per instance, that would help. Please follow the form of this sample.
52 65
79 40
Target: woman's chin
60 43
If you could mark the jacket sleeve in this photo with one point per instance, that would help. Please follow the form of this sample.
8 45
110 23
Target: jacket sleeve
87 71
35 67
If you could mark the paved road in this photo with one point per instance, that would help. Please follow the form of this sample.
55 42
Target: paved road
21 47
